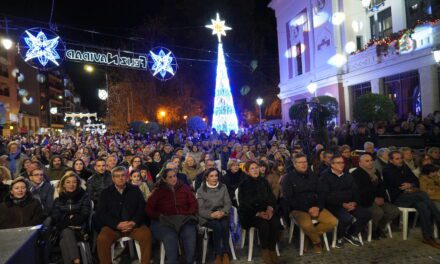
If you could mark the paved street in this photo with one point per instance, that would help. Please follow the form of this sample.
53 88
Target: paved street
388 251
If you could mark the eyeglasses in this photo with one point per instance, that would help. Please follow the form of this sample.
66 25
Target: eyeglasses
38 174
339 162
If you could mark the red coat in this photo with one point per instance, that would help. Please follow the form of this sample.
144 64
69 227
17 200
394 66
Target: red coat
164 201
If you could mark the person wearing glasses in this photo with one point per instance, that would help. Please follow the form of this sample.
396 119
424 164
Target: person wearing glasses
338 191
41 190
300 191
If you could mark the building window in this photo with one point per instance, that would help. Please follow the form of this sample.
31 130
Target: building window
4 90
419 10
4 71
404 90
359 43
385 24
358 90
299 66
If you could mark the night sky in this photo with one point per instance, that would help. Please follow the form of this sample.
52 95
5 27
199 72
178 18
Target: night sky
180 28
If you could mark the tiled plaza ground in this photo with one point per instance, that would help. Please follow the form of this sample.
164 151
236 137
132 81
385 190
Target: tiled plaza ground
390 251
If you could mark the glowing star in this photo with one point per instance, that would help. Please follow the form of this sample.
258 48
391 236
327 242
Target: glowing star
162 63
218 27
42 48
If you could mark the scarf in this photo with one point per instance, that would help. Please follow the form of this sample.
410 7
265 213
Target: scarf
212 186
13 162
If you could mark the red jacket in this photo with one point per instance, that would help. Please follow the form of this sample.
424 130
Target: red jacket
164 201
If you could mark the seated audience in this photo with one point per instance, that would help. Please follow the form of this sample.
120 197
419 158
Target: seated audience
70 216
232 179
136 180
20 208
214 206
41 190
257 208
430 183
403 187
172 208
56 168
79 167
340 194
373 196
121 212
381 160
300 191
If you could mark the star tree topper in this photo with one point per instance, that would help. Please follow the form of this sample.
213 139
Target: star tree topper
42 48
218 27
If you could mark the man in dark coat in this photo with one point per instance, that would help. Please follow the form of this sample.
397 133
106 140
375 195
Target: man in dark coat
373 196
403 187
121 211
341 197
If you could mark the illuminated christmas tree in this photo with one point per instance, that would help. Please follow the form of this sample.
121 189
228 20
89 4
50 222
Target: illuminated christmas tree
224 117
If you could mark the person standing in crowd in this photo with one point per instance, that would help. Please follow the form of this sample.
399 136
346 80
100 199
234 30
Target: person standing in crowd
70 216
214 207
79 167
232 179
403 187
373 196
41 190
300 191
20 208
172 209
338 191
121 212
15 159
100 180
257 208
430 183
56 168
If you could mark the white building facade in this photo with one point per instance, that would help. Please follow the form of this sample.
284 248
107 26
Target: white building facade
323 43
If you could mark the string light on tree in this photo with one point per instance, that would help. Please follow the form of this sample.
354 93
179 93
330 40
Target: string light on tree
224 117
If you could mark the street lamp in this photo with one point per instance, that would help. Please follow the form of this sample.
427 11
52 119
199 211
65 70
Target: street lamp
102 94
259 103
163 114
89 68
7 43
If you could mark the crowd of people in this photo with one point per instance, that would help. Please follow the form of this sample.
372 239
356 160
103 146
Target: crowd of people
166 187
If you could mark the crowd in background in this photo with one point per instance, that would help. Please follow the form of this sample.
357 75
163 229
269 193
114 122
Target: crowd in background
166 186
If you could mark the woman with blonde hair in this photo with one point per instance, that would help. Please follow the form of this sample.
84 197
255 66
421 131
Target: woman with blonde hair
5 174
191 168
70 215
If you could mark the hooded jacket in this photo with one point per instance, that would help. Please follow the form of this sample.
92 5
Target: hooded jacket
55 173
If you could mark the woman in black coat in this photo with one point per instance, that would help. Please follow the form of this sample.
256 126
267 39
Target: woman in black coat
232 179
70 215
20 208
257 208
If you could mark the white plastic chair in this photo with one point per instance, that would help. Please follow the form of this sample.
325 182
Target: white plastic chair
130 244
251 236
370 230
404 211
206 230
302 235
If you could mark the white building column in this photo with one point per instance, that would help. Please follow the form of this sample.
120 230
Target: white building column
347 102
429 87
377 86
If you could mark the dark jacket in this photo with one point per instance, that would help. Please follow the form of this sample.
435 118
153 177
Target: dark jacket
300 191
368 190
321 168
232 181
85 174
27 212
393 178
96 184
55 173
333 190
115 207
254 196
167 201
4 191
71 209
44 193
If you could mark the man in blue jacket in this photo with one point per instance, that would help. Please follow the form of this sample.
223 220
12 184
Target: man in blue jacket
341 197
121 211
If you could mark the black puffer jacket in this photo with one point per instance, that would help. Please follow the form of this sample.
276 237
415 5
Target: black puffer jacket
254 196
96 184
71 209
26 212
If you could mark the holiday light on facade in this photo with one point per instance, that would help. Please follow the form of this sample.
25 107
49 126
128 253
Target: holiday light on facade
42 48
218 27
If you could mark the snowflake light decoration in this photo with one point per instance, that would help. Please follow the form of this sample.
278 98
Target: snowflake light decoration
41 48
218 27
163 64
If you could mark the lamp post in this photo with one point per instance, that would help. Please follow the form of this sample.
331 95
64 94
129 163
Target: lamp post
259 103
102 94
163 114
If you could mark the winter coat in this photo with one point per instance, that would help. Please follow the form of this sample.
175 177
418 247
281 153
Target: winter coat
45 193
232 181
71 209
55 173
212 199
254 196
96 184
27 212
368 190
300 191
165 200
115 207
430 185
393 178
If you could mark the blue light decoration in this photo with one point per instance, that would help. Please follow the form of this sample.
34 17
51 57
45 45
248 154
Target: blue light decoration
162 63
41 48
224 117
